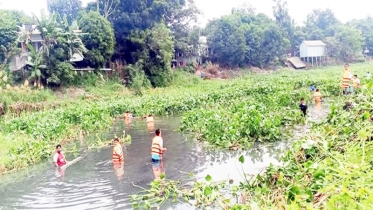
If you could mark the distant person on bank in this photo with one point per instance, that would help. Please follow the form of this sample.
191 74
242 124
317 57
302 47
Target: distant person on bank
369 76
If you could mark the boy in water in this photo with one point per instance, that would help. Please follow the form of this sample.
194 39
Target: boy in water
317 96
355 82
312 88
303 107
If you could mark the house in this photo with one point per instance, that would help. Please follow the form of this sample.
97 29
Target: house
313 52
31 33
19 61
180 59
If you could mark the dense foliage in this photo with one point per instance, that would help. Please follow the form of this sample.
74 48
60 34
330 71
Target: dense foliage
246 39
99 39
68 8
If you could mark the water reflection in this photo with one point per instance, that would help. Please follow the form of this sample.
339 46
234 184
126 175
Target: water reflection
119 170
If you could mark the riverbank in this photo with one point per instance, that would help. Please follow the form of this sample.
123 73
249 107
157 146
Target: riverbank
30 138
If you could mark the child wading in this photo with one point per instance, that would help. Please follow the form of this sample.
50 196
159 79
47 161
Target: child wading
303 107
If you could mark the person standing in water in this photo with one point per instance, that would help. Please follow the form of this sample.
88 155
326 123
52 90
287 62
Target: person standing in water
118 159
59 158
59 161
303 107
157 150
346 78
150 122
312 88
128 118
317 96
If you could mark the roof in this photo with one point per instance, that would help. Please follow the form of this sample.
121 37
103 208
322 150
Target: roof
297 62
314 43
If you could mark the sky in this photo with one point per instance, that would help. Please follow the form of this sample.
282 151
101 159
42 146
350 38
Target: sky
344 10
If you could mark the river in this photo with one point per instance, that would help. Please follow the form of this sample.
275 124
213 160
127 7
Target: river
92 182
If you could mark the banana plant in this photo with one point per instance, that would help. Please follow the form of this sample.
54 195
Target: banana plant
34 59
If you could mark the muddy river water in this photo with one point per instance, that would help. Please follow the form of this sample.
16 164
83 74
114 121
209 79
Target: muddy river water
92 183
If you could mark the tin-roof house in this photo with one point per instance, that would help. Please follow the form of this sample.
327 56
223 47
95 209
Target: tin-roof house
31 33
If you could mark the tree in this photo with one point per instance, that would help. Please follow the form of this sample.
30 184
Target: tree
345 44
59 44
185 37
227 40
155 50
244 38
284 21
322 19
99 39
366 28
105 7
68 8
10 20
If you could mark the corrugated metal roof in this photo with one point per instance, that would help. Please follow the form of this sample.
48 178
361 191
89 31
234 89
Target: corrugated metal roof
314 43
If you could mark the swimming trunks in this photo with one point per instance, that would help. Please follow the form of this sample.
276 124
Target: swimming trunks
156 162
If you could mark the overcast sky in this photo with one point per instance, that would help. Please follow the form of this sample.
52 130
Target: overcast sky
344 9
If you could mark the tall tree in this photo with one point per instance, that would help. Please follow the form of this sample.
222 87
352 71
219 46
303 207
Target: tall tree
366 28
284 21
345 44
155 50
99 39
9 22
68 8
105 7
322 19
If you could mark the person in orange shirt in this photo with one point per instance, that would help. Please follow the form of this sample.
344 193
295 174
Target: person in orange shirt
346 78
157 150
118 159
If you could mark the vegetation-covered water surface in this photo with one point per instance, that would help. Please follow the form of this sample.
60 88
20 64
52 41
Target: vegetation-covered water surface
76 69
329 167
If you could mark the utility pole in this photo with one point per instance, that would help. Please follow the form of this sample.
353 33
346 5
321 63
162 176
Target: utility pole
98 6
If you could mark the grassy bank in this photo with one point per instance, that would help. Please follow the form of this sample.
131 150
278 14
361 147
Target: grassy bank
330 168
255 106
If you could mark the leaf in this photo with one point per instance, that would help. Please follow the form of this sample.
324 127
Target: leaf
207 191
38 72
208 178
308 144
241 159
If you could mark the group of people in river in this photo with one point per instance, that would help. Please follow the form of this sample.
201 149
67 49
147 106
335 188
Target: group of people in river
349 85
156 151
